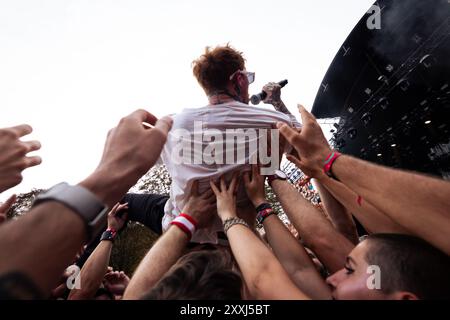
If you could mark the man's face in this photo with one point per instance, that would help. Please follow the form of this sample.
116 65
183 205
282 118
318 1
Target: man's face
350 283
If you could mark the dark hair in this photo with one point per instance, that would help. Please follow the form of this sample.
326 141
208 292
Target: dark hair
410 264
200 275
214 68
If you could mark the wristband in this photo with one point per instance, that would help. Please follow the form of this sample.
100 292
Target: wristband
186 223
227 224
263 214
109 235
263 206
329 164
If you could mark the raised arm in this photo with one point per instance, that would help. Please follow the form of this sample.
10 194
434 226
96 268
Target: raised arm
263 274
416 202
96 266
273 91
342 218
372 219
330 246
51 233
288 250
13 155
172 245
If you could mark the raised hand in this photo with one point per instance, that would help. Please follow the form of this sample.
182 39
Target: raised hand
254 186
310 143
116 221
273 91
116 282
226 199
131 149
13 156
201 207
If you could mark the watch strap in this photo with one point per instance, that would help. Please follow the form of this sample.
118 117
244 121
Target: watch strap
108 235
278 175
81 201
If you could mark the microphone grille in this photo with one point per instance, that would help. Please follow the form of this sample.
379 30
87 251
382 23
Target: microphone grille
255 99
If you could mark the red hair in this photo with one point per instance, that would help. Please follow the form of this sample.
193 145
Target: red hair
214 68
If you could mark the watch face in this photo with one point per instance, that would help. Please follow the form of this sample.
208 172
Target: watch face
280 174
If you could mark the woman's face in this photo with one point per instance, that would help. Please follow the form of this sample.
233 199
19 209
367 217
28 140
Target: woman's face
351 282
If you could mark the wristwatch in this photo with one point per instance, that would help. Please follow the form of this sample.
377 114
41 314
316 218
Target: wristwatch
82 201
109 235
278 175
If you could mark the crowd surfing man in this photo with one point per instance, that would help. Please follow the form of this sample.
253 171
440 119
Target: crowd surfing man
222 74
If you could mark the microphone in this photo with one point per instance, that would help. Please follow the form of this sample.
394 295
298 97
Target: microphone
257 98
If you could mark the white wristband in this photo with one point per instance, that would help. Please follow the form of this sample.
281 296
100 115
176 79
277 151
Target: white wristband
185 223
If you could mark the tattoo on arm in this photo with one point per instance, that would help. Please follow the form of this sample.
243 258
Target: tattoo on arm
280 106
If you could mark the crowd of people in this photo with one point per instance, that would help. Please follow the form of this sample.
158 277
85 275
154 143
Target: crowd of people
208 246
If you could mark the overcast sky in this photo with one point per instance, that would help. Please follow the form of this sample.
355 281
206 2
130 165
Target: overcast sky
73 68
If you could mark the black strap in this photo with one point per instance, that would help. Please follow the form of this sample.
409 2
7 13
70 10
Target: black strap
263 206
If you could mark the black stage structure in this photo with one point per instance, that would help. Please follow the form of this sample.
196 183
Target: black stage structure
390 87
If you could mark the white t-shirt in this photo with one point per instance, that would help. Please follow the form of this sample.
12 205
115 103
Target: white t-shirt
215 119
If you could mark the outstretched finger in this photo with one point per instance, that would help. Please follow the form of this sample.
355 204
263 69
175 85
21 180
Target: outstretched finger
255 171
122 206
287 132
32 145
32 161
214 187
246 178
223 185
306 116
114 209
234 182
22 130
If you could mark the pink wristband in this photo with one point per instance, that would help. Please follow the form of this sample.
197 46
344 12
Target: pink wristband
329 163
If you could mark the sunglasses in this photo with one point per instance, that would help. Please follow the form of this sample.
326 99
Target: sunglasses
250 75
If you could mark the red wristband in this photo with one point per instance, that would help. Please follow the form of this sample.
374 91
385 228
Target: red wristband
188 217
186 223
329 163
